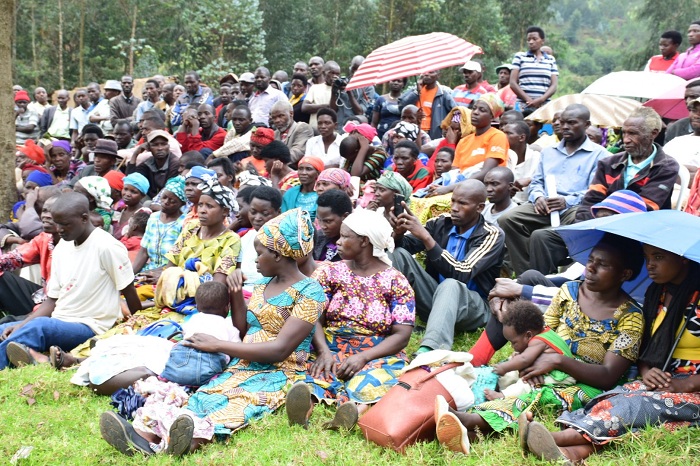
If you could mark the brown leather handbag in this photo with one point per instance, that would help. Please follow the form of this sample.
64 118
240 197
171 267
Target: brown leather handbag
406 414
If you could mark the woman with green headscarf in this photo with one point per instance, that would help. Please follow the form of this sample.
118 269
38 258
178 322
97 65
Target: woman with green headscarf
276 327
389 189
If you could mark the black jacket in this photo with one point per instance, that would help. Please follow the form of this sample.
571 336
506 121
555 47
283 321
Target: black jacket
482 262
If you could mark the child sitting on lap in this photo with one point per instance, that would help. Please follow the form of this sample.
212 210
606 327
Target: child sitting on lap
523 327
188 366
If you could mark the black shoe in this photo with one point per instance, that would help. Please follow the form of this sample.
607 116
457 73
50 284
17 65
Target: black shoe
121 435
180 436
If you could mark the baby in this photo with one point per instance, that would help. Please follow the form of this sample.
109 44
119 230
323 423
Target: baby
188 366
523 327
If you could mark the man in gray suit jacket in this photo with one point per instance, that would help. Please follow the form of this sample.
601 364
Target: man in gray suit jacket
293 134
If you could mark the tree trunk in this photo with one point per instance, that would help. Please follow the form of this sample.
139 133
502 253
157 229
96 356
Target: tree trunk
60 44
133 40
34 65
81 48
8 192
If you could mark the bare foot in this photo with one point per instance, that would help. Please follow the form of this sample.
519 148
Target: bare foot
492 394
38 357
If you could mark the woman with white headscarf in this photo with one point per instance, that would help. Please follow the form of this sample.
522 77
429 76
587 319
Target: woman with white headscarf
360 339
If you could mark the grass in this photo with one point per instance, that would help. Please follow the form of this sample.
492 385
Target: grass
62 426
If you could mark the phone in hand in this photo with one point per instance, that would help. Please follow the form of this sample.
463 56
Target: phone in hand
398 207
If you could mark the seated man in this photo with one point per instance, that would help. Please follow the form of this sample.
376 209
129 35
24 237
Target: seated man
90 269
464 256
160 166
294 135
572 162
685 148
642 167
199 131
237 140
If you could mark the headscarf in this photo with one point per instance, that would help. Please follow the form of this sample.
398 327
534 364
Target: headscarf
99 189
407 130
115 179
363 129
465 120
41 179
262 136
138 181
34 152
376 228
291 234
200 173
314 161
494 102
65 145
176 185
396 182
221 194
336 176
245 178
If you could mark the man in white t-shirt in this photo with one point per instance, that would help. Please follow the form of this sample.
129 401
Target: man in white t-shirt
89 271
319 95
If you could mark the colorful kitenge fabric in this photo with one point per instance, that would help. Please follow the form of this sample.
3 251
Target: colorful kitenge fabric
176 185
290 180
159 239
589 341
290 234
74 169
218 254
249 390
360 314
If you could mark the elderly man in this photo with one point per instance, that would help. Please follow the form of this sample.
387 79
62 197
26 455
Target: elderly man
122 107
41 101
160 166
199 131
26 120
464 256
642 167
319 95
264 97
55 122
194 95
470 91
572 163
294 135
434 102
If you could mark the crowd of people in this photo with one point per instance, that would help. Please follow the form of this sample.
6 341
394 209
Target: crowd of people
219 254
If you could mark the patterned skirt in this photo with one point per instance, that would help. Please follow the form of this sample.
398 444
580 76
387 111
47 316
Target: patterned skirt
503 413
631 407
369 384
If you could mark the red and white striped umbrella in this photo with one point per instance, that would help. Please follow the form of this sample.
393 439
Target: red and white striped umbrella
412 56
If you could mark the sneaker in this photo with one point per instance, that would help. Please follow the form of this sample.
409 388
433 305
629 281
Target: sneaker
121 435
181 433
452 434
298 405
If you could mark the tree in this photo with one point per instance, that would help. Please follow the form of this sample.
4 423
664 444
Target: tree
8 193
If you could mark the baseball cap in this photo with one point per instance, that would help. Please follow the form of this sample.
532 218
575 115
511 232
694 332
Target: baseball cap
505 65
471 66
113 85
247 78
158 133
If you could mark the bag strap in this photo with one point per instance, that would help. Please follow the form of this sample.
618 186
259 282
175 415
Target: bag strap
434 372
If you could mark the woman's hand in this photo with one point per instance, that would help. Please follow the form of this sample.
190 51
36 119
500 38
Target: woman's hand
203 342
150 277
544 364
235 281
276 169
656 379
351 366
323 366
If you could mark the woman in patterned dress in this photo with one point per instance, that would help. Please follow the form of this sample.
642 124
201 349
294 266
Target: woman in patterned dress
668 393
276 326
360 339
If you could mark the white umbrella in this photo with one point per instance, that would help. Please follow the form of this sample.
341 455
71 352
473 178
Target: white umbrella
606 111
636 84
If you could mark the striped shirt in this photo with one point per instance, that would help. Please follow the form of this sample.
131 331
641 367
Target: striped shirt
535 76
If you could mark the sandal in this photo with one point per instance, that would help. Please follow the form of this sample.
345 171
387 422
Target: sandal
452 434
19 355
56 357
542 444
121 435
180 436
345 417
298 404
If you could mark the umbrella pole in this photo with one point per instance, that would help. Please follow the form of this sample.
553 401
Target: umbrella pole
692 311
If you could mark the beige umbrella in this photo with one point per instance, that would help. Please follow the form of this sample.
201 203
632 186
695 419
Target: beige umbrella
606 111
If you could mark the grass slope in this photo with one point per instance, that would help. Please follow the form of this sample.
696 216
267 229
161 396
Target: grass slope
62 425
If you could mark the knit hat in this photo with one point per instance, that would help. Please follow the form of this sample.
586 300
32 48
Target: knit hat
621 202
22 95
262 136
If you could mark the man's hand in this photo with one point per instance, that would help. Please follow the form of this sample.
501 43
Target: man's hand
7 332
407 221
535 103
556 203
506 288
31 197
519 185
435 190
540 206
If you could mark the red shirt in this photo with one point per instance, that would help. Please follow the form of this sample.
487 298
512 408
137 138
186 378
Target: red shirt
190 142
660 64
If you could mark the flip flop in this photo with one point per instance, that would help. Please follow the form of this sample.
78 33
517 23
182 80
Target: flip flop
19 355
452 434
542 444
56 357
345 417
523 427
298 404
180 436
121 435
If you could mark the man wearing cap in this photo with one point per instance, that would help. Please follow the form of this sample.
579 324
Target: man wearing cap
293 134
470 91
264 97
504 90
227 81
247 83
122 106
686 149
194 95
152 88
199 132
160 166
99 111
105 156
26 120
55 122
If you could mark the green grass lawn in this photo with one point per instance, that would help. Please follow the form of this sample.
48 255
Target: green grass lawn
62 424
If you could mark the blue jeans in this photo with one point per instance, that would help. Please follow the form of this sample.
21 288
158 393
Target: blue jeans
41 333
188 366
